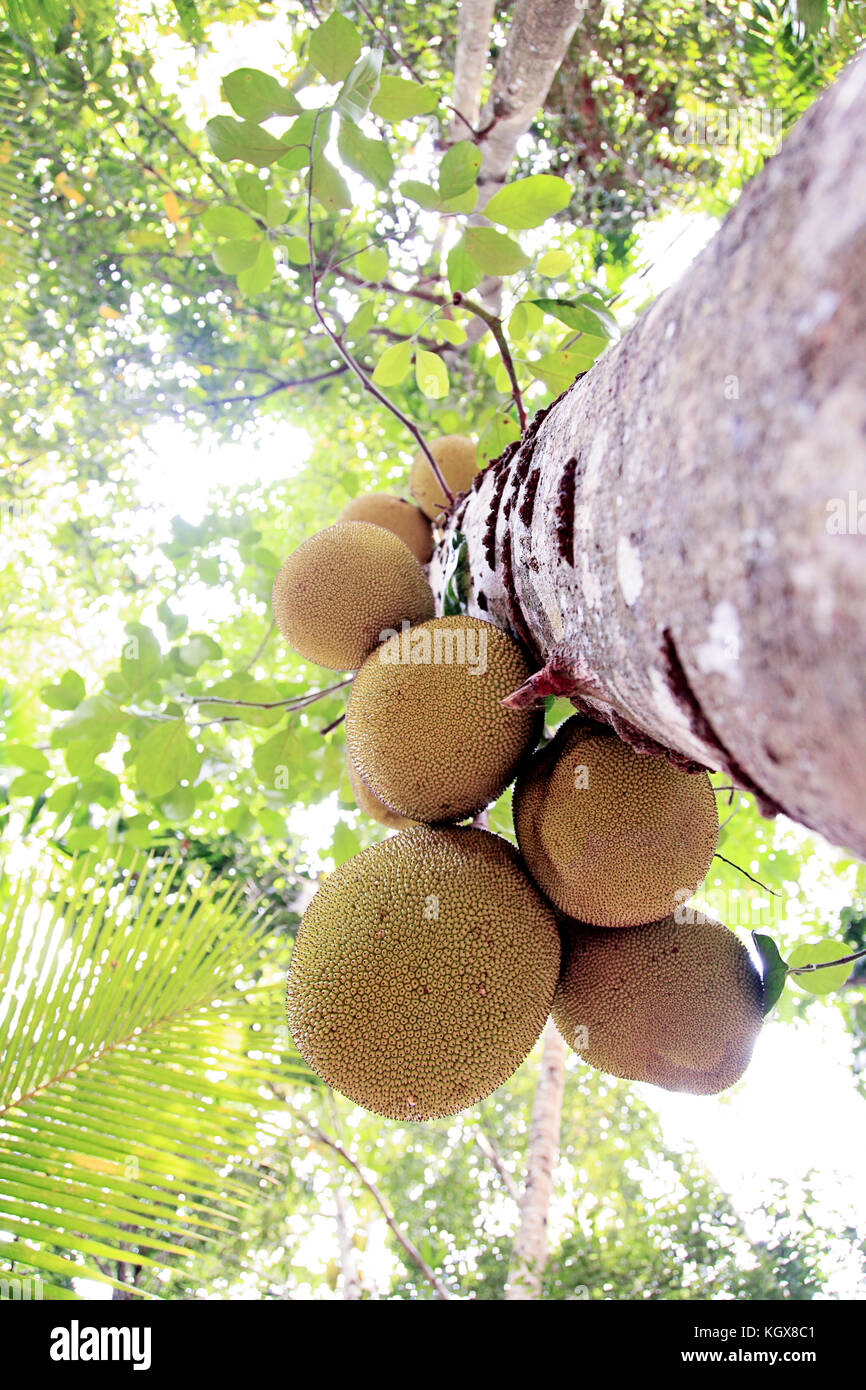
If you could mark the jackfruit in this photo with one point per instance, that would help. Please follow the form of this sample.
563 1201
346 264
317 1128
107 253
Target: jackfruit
457 462
423 972
335 595
371 805
424 725
406 521
612 838
676 1004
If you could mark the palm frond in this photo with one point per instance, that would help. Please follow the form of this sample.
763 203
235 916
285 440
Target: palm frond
143 1034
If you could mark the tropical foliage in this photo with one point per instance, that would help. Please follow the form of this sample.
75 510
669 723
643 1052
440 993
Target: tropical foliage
278 286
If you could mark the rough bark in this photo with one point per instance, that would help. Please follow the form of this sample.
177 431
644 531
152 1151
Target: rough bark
473 49
529 1252
662 538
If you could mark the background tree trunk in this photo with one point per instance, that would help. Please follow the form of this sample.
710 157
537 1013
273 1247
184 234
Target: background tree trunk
529 1253
664 538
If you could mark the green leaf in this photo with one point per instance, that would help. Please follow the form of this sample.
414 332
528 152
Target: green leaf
258 276
502 429
19 755
518 323
464 202
459 169
231 222
298 250
179 804
464 273
345 843
311 127
366 156
334 47
359 325
584 314
528 202
329 186
231 139
497 253
372 264
232 256
393 365
29 784
431 374
398 99
774 971
255 95
62 799
276 212
143 1144
198 649
98 717
68 692
165 756
451 332
553 263
359 88
141 657
272 823
814 953
252 191
274 759
559 369
420 193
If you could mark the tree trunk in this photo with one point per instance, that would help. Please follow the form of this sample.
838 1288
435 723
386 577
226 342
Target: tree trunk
530 1243
680 539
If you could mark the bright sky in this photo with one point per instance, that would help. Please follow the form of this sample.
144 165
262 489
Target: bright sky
797 1109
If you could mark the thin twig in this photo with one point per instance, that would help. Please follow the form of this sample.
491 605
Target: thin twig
293 701
344 352
287 385
495 325
411 1250
404 62
824 964
260 648
493 1156
329 728
747 874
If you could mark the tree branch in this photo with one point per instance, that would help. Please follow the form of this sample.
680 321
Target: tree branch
411 1250
473 48
351 362
494 1157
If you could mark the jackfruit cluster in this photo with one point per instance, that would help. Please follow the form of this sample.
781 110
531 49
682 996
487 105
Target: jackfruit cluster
426 966
423 972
